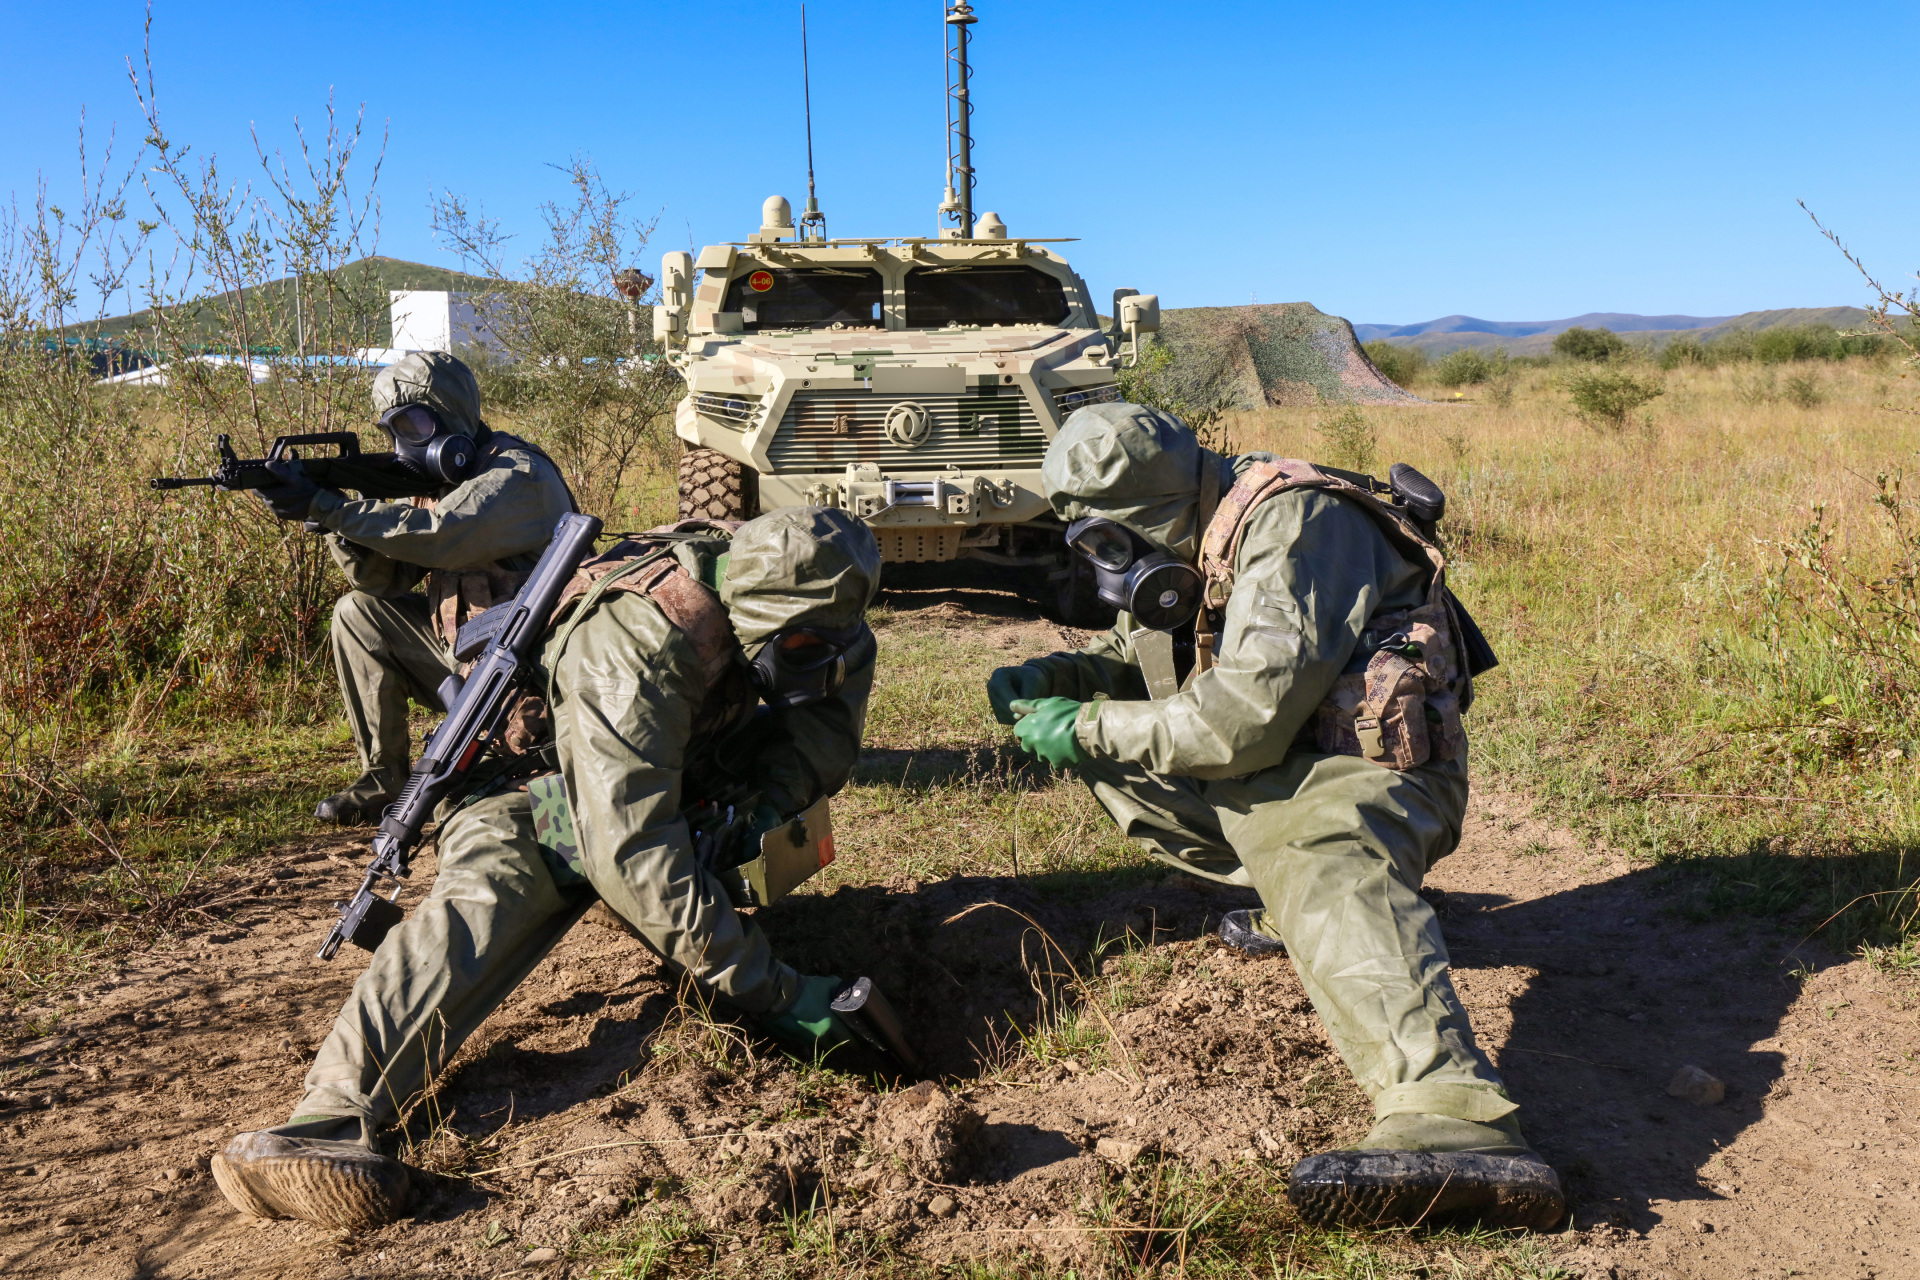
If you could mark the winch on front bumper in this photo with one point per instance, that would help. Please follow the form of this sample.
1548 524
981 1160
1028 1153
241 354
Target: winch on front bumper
925 516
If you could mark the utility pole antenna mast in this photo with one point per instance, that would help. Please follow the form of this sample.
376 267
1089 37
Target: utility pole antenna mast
813 223
958 204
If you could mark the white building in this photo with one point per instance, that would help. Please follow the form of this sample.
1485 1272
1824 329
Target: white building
435 320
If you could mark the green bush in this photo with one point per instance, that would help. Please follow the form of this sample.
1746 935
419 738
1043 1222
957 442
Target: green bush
1463 367
1787 343
1683 351
1400 365
1155 383
1803 390
1595 345
1782 344
1604 399
1351 440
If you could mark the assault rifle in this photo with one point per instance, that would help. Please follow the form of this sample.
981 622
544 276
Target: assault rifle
502 645
371 475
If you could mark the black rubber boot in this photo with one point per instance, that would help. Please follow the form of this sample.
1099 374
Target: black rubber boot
360 804
1246 931
1427 1169
286 1173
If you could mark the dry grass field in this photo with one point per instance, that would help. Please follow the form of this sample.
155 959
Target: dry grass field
1695 796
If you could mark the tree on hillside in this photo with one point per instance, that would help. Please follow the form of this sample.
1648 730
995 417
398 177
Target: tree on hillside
1590 344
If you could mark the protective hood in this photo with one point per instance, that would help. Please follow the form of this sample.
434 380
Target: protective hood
799 567
1136 466
436 380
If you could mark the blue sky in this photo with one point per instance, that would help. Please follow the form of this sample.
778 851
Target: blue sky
1389 162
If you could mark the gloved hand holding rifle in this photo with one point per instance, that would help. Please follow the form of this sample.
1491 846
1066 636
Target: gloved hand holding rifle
505 640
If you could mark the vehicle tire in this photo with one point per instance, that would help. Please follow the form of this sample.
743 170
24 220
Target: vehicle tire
1074 601
715 487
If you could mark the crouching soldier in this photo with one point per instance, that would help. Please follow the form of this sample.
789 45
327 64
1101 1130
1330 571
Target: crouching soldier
1279 706
471 544
660 774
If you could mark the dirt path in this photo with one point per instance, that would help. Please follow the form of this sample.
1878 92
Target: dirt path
589 1104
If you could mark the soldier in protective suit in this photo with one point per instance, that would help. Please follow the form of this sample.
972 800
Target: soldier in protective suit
472 545
1308 746
660 657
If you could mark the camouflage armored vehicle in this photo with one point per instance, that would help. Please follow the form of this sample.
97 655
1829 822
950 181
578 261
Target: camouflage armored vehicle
914 382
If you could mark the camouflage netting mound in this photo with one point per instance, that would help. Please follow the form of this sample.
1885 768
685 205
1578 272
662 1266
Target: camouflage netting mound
1286 353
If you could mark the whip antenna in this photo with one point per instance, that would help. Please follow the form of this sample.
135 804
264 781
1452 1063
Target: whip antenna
813 223
958 204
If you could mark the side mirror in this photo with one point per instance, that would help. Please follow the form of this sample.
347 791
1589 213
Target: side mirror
1134 313
676 280
1140 313
676 297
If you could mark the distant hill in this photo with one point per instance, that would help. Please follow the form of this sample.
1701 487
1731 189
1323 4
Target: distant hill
1532 338
1615 320
376 272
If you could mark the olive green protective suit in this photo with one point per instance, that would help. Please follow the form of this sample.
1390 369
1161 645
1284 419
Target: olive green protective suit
1223 778
385 647
639 737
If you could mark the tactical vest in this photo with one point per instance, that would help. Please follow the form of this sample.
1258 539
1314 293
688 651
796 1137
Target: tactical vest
1398 704
646 564
651 564
454 595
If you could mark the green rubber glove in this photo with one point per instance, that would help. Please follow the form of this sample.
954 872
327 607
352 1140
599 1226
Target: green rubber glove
1046 729
809 1026
1011 684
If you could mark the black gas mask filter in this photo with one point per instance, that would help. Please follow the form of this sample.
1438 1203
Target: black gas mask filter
806 664
1160 590
424 444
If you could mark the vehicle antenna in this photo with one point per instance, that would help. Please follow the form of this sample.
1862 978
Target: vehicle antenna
958 203
813 223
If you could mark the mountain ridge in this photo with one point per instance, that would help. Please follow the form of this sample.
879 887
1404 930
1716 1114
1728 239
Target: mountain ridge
1615 320
1525 337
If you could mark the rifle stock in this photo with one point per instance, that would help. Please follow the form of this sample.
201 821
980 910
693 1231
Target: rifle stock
474 713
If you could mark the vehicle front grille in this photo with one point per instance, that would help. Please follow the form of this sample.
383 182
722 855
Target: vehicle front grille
826 430
1080 397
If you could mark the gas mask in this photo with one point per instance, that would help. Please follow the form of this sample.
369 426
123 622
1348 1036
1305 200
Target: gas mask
426 446
1161 591
805 664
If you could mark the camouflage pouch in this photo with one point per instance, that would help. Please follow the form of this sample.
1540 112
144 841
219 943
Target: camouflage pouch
553 830
1401 710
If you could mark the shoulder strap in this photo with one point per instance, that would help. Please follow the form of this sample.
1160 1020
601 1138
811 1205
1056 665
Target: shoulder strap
647 567
1263 480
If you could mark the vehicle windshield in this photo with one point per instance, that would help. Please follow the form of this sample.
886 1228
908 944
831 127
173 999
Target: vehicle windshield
805 298
938 296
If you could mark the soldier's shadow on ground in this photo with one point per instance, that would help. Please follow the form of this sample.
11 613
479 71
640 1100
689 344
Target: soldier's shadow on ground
1615 991
1611 991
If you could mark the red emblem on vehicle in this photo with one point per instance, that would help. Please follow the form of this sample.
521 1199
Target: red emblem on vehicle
760 281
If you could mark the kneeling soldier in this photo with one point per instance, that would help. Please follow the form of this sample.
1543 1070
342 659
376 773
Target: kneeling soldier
658 768
1279 706
471 544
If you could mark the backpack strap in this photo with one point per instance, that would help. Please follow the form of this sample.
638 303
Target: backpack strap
1220 546
645 565
1263 480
